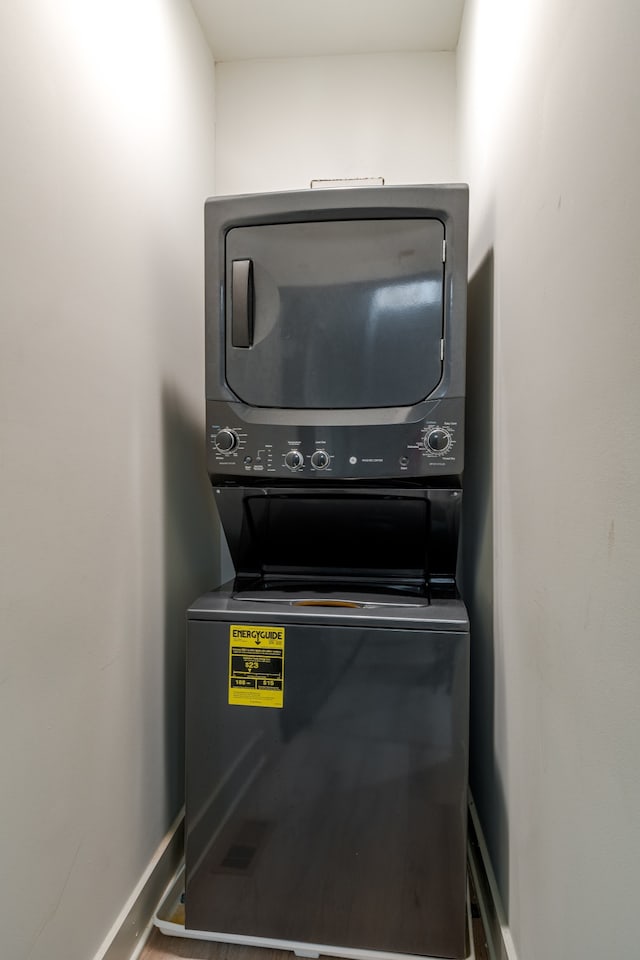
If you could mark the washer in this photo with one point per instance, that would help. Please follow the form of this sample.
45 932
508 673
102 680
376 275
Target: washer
338 818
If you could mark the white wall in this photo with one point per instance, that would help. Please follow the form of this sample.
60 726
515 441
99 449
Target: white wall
551 148
107 531
282 123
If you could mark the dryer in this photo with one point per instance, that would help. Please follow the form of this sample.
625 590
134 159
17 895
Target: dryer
335 334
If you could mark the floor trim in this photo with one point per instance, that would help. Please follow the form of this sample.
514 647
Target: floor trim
133 925
499 940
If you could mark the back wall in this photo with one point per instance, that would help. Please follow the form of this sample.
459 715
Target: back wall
282 123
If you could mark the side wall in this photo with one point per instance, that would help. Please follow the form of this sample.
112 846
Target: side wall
282 123
107 525
550 145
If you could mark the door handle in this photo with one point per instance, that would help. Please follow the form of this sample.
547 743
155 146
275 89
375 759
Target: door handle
242 303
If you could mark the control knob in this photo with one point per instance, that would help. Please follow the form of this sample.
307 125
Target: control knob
226 440
294 460
438 440
320 459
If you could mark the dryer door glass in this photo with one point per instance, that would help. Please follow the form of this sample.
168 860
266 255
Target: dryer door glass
334 314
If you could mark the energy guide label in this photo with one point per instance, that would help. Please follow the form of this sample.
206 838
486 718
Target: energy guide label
256 665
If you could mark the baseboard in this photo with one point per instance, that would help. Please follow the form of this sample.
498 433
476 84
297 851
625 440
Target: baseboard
499 939
131 929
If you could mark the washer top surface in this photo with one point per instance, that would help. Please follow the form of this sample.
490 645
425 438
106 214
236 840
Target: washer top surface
356 606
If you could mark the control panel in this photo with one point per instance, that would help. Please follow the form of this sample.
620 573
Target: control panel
430 447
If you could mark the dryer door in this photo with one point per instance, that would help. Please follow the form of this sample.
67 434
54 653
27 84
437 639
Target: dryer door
334 314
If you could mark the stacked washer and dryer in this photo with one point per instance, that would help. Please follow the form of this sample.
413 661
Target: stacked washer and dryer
327 684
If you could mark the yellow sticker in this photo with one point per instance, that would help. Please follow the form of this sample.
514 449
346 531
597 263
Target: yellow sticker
256 665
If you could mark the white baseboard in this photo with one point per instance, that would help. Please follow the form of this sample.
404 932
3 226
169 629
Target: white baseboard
133 925
499 939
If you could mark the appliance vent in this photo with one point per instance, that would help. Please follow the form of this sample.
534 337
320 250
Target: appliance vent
240 855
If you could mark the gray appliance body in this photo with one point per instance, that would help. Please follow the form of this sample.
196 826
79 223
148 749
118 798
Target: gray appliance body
339 819
326 778
335 334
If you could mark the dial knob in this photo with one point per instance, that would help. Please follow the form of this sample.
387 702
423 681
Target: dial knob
320 459
438 440
294 460
226 440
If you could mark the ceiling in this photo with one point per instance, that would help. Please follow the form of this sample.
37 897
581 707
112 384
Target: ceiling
259 29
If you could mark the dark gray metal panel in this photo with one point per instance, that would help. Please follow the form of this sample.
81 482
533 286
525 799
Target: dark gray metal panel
347 313
379 444
341 818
